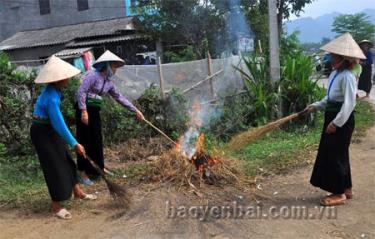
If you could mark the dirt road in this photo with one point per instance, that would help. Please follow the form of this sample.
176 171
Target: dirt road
149 217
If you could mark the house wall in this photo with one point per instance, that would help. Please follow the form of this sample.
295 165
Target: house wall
33 54
24 15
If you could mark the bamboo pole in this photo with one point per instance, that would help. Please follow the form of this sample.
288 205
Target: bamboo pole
202 81
161 78
209 65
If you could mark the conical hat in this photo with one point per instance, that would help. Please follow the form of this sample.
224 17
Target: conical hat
109 56
56 70
344 45
366 41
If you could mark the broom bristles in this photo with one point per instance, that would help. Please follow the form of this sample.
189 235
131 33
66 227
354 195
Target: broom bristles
242 139
119 193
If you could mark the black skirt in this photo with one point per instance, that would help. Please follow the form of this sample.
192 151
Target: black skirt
58 167
332 168
365 83
90 136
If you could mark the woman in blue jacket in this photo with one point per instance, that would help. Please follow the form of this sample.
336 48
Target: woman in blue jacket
49 135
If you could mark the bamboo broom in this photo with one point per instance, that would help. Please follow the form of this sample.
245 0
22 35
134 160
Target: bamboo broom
242 139
118 192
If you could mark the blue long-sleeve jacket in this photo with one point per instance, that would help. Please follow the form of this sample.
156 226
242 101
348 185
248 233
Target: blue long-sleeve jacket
48 107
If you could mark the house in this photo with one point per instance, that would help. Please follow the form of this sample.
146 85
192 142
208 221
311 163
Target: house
24 15
118 35
50 26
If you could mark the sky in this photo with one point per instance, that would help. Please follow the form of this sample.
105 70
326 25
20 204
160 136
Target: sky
321 7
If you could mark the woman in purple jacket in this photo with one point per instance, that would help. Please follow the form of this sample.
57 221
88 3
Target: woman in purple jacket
89 100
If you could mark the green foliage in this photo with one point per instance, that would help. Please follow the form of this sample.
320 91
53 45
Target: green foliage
201 24
186 54
359 25
68 101
118 124
169 114
288 7
256 13
264 96
297 87
3 149
237 114
290 46
190 22
17 91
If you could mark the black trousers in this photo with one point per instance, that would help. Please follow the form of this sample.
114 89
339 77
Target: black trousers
332 168
364 82
58 167
90 136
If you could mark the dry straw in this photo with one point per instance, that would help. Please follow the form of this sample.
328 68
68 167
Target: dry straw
176 170
242 139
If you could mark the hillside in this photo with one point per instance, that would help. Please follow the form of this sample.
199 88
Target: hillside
314 29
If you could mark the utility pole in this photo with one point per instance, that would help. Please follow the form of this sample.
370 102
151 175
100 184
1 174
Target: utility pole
274 43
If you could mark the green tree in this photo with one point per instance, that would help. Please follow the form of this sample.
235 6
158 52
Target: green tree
358 25
257 15
195 23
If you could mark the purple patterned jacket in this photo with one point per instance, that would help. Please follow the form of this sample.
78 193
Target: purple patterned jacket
94 85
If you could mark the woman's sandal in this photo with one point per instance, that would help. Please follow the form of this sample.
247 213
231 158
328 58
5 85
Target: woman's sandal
90 197
63 214
87 196
349 193
332 200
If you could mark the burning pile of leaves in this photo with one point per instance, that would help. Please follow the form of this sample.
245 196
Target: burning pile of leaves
188 164
177 168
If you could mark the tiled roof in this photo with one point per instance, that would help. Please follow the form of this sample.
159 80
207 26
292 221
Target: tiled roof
67 33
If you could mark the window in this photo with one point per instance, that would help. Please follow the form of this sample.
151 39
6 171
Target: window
44 7
82 5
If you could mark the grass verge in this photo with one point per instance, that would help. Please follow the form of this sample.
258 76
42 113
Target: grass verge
281 150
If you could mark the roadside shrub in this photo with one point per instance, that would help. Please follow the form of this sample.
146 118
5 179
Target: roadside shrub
296 84
118 124
298 89
237 115
169 114
186 54
264 97
17 91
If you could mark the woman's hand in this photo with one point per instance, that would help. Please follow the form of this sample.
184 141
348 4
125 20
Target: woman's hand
85 117
80 150
311 109
139 115
331 128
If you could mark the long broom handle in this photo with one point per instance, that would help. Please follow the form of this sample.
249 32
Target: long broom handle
161 132
302 112
96 166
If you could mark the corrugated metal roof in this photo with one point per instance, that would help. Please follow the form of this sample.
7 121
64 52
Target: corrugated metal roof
90 42
68 53
65 34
